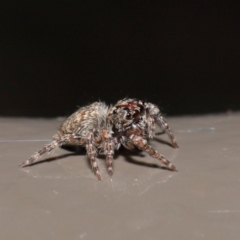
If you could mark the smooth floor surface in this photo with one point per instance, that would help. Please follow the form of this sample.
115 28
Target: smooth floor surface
62 199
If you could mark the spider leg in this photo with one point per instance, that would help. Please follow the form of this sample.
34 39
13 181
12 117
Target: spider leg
48 148
109 147
165 127
92 155
142 144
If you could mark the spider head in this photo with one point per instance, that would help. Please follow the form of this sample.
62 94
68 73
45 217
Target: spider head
126 114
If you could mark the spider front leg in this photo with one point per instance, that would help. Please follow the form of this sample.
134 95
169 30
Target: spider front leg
142 144
48 148
165 127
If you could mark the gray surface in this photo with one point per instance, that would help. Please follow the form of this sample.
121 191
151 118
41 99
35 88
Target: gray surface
62 199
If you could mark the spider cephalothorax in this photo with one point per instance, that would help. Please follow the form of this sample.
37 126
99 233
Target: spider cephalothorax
132 117
126 114
100 129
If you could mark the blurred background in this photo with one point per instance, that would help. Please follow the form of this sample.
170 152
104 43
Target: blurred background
58 55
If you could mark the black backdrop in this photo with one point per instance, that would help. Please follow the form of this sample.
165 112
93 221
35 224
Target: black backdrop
57 55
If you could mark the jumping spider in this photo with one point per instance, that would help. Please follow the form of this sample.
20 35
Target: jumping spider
103 129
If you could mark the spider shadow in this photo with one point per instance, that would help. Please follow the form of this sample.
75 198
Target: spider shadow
130 154
126 153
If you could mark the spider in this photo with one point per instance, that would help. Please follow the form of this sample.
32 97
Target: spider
103 129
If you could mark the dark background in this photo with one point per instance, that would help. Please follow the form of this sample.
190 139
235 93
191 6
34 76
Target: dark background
57 55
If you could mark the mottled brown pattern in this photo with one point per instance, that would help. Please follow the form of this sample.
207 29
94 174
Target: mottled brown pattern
100 129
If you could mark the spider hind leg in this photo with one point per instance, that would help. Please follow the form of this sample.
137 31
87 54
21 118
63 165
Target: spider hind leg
92 155
68 138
